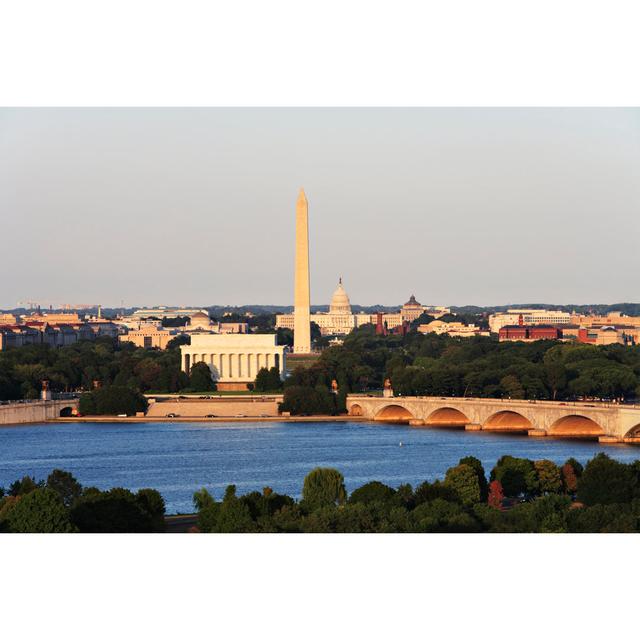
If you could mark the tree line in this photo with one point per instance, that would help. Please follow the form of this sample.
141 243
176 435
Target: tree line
110 374
60 504
518 496
416 364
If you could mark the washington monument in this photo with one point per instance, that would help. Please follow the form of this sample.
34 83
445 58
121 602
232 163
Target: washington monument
301 324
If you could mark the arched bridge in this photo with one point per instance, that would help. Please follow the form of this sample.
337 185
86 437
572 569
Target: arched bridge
36 410
605 422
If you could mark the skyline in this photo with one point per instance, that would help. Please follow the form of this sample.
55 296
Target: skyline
197 206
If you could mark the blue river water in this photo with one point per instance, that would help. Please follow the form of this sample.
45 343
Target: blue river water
179 458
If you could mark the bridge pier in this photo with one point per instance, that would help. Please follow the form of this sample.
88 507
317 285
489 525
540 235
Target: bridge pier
472 426
610 440
416 423
536 433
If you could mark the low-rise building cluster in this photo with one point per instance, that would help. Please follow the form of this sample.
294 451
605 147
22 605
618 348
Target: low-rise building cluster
453 329
55 329
146 330
528 326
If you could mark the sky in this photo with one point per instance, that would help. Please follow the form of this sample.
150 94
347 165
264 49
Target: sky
149 206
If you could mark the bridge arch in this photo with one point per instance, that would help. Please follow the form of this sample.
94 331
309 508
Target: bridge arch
576 426
394 413
507 421
355 410
634 432
447 417
66 412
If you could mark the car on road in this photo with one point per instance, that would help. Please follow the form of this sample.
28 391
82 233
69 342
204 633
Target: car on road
173 415
211 415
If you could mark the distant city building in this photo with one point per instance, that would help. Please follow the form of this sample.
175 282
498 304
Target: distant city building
528 333
234 359
453 329
152 335
18 336
53 318
603 334
55 335
233 327
612 319
102 327
148 336
200 321
340 320
527 317
164 312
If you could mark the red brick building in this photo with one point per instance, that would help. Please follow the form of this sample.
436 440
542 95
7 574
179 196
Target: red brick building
529 333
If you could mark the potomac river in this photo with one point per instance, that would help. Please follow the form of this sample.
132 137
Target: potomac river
178 458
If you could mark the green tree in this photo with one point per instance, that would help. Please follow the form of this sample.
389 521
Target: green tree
177 342
511 387
442 516
603 518
323 487
208 510
463 479
606 481
26 485
65 485
152 502
308 401
112 400
115 511
268 380
476 465
285 337
549 477
40 511
202 499
372 492
200 378
234 515
516 475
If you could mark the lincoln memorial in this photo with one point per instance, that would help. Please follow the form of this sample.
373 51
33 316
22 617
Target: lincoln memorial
234 359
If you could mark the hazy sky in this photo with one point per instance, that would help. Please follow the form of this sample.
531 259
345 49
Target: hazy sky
196 206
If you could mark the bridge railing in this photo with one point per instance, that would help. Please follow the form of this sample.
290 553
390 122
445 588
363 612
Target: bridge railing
56 397
593 404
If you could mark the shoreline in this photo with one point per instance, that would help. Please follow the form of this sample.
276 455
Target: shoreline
133 419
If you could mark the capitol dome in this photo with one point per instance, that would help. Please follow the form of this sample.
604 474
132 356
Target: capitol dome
340 301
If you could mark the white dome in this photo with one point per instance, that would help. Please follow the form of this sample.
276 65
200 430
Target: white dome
200 319
340 301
